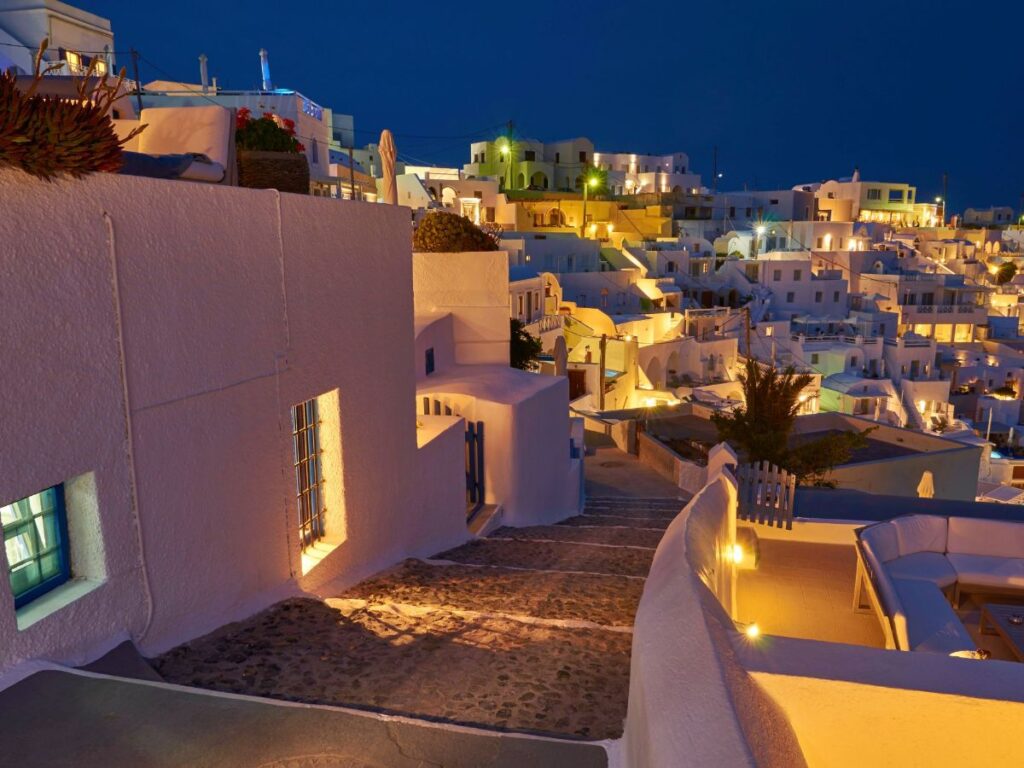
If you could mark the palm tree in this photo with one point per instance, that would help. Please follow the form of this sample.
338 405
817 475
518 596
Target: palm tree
762 427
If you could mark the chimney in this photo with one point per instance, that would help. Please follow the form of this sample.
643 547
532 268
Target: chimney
265 67
203 74
856 173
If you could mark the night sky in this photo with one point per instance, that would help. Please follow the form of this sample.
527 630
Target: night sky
790 91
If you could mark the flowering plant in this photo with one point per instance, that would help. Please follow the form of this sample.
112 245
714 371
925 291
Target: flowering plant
269 133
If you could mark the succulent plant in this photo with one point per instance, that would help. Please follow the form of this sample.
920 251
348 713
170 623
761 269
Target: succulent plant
443 232
47 136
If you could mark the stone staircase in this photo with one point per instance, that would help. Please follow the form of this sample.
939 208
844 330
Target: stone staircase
526 630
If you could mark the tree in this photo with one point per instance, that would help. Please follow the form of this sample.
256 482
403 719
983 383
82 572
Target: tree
524 349
1006 273
761 429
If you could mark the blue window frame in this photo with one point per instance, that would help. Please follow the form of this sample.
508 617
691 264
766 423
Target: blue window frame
36 542
309 479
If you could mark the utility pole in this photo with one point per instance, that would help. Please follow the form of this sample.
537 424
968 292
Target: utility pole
138 82
945 195
746 329
600 374
351 175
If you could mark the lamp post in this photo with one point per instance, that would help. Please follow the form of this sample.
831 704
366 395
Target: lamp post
587 183
506 155
759 231
942 218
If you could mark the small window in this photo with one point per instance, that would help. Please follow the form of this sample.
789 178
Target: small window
749 211
817 297
895 195
853 361
777 275
814 358
732 211
36 541
874 194
583 157
309 479
797 275
557 157
790 297
520 305
529 155
818 243
773 201
835 297
429 363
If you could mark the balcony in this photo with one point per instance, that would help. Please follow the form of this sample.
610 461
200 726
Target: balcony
943 313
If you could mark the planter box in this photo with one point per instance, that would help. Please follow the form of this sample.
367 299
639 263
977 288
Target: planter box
283 171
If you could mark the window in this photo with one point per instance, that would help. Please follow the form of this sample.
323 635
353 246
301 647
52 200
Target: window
309 477
773 201
749 211
818 243
790 297
520 310
853 361
835 296
583 157
776 275
556 157
927 298
429 363
529 154
874 194
36 541
732 211
895 195
797 274
817 297
814 358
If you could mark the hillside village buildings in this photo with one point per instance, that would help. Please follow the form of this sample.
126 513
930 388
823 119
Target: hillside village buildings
279 496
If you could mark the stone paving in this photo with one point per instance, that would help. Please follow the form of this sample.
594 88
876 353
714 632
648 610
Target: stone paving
529 630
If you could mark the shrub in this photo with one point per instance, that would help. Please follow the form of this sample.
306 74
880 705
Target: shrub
266 134
523 348
48 136
443 232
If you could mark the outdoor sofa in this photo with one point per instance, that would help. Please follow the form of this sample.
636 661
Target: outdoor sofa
910 564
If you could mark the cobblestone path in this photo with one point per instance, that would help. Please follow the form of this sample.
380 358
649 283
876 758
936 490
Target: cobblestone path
526 630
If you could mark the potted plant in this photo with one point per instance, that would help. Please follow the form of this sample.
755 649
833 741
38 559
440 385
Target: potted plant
269 154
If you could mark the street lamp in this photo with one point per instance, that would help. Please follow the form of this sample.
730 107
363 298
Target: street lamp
759 231
942 218
506 155
592 181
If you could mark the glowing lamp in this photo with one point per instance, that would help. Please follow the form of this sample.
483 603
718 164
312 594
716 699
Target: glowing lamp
593 228
760 230
592 182
921 405
650 402
737 554
610 228
752 631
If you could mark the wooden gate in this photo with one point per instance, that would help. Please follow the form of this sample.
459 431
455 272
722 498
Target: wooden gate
475 489
766 495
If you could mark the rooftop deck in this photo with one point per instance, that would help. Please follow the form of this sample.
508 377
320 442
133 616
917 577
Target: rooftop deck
805 590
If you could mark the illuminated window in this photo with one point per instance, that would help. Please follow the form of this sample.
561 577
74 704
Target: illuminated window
36 542
309 478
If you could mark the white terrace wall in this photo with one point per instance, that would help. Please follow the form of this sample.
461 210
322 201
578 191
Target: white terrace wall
156 336
474 288
688 475
682 644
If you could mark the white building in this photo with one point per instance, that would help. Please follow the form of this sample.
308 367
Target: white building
76 37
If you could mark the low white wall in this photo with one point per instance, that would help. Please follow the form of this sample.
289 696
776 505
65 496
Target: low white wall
680 709
854 706
685 474
161 333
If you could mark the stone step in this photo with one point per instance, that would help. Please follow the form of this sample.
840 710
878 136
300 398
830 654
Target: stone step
601 599
542 556
598 521
624 537
485 671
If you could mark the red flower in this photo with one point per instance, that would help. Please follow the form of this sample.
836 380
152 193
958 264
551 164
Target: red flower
268 115
242 117
289 125
300 146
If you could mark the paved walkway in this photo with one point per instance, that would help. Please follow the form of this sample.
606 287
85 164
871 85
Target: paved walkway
527 630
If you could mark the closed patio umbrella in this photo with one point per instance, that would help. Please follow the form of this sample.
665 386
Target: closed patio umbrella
389 185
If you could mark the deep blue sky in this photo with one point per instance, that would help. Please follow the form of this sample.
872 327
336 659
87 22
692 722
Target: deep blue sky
790 91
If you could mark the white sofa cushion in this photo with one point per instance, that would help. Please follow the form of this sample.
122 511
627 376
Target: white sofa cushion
920 533
931 623
986 571
925 566
995 538
881 540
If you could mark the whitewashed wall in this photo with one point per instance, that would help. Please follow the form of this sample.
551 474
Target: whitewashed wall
222 308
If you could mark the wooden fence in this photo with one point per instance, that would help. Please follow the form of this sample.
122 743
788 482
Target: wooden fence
766 495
